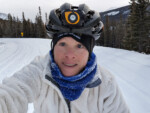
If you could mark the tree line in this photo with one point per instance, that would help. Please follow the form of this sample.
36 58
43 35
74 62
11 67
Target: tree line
13 27
130 34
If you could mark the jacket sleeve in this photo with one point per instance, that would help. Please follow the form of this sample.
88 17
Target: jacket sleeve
21 88
114 102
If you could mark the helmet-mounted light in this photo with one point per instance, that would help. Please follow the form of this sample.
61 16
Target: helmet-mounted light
72 18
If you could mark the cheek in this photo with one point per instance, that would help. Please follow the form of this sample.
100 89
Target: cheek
58 54
83 58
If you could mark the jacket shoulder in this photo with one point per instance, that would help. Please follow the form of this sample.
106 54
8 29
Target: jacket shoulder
106 77
41 60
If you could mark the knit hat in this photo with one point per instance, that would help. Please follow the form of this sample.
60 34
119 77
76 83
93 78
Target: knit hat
87 40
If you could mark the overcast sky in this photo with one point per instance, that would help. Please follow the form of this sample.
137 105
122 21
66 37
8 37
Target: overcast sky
30 7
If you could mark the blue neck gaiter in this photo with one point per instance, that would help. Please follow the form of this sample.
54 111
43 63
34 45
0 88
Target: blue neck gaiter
72 87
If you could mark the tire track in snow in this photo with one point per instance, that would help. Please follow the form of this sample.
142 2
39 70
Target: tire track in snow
16 54
10 59
22 52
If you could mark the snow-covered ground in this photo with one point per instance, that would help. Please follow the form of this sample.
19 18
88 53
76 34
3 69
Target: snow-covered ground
131 69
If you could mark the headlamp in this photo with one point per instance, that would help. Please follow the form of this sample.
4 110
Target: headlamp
72 18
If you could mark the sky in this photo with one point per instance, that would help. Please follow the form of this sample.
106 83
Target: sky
131 69
30 7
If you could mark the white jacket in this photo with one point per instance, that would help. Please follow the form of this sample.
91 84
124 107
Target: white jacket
30 85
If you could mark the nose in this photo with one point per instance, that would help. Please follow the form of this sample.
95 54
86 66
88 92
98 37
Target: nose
70 54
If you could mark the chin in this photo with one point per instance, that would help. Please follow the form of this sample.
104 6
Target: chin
69 74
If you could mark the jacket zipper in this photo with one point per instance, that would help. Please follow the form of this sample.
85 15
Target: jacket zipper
68 104
67 101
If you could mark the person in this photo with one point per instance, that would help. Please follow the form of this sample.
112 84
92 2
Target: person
68 79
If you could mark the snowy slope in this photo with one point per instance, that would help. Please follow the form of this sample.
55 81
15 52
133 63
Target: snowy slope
113 13
131 69
3 16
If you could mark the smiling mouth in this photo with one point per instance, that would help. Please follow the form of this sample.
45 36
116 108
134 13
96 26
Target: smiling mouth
69 65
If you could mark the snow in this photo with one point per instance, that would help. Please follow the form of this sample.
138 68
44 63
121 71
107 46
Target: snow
113 13
126 12
131 69
3 16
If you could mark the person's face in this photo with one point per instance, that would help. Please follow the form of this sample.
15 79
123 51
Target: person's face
70 56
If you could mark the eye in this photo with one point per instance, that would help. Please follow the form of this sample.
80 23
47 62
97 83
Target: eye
80 46
62 44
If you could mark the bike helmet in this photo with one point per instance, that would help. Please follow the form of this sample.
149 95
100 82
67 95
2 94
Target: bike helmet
73 19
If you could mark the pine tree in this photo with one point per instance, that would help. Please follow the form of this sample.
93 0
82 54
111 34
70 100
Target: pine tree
107 33
9 27
136 32
1 30
24 25
120 32
3 25
41 32
113 37
18 28
133 27
14 28
148 28
142 30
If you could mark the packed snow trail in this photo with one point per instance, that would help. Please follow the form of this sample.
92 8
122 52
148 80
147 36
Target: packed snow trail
16 53
131 69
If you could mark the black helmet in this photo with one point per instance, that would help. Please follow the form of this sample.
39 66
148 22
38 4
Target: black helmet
72 19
